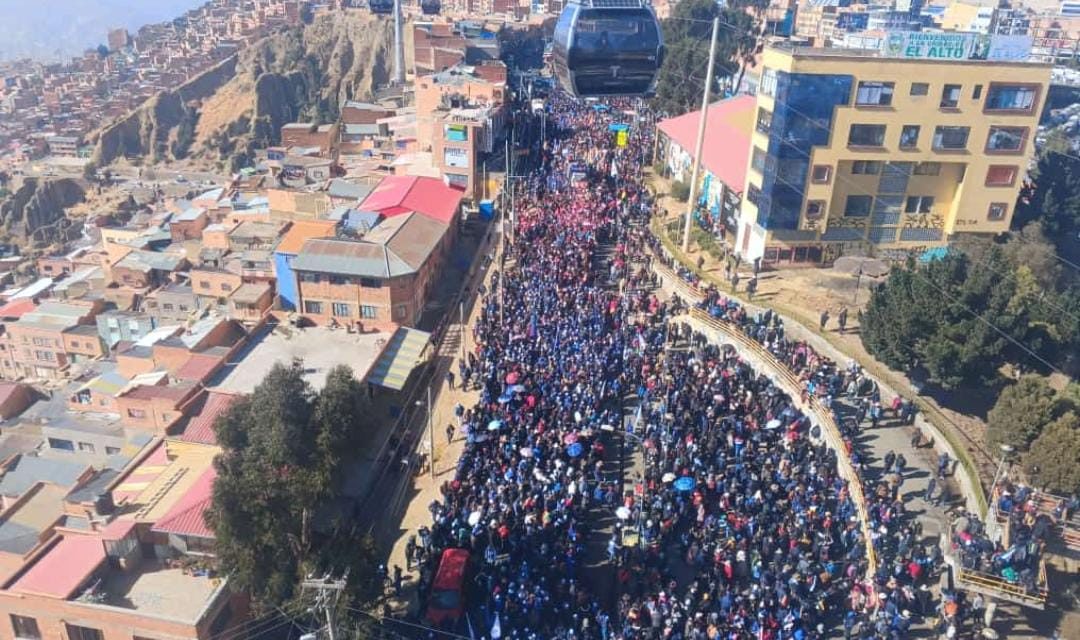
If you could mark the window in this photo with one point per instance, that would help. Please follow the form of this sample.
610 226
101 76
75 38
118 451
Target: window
874 94
136 413
368 311
950 138
815 209
112 451
764 120
204 284
74 344
1003 139
919 89
225 286
399 311
767 86
45 356
909 136
338 280
976 93
370 283
866 135
40 342
927 169
865 167
341 310
821 174
753 194
167 306
997 211
75 632
62 445
311 306
858 206
309 277
87 447
918 204
182 307
950 96
999 175
25 627
757 160
1005 97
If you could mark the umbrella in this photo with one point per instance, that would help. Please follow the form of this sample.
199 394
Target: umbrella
772 424
474 517
526 452
685 483
570 438
668 477
494 425
575 450
622 513
512 377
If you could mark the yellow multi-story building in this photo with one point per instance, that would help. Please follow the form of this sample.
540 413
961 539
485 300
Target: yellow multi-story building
868 153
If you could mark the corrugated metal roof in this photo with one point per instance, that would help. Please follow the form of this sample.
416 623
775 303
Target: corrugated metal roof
341 257
303 230
187 516
61 571
400 357
727 141
396 195
29 470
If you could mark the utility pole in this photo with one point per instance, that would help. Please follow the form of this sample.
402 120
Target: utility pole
700 136
431 432
327 591
399 46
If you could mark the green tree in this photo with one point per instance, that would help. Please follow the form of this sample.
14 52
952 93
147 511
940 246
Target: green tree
275 512
1054 201
1052 459
1021 412
686 40
948 317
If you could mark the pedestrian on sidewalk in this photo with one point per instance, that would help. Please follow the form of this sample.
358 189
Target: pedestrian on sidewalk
700 262
397 581
449 433
751 287
410 552
450 379
928 495
824 319
842 320
942 464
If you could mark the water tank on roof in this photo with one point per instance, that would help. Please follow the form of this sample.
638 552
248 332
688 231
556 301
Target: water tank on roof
103 504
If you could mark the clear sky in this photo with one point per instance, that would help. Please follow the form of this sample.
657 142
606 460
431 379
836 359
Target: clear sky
53 29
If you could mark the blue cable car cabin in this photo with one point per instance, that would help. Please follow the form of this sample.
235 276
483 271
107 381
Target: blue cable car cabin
608 48
381 7
430 7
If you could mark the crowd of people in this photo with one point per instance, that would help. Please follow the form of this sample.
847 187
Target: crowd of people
737 522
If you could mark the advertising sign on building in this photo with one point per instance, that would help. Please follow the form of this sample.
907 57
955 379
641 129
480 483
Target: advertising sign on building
455 157
925 45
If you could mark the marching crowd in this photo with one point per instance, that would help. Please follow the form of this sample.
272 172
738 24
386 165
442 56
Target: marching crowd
738 525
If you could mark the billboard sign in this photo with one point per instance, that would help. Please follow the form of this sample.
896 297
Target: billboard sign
926 45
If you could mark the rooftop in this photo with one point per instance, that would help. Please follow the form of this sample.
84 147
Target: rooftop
22 525
730 121
303 230
396 195
154 589
320 348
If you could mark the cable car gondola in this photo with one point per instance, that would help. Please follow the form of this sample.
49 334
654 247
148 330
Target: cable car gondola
381 7
608 48
430 7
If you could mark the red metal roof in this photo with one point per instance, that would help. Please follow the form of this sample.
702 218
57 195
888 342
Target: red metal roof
396 195
64 568
16 308
726 151
199 367
201 426
186 516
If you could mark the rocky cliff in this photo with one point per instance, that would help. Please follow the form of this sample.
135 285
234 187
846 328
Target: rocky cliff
33 214
227 112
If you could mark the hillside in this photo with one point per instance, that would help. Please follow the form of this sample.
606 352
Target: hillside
224 115
33 215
